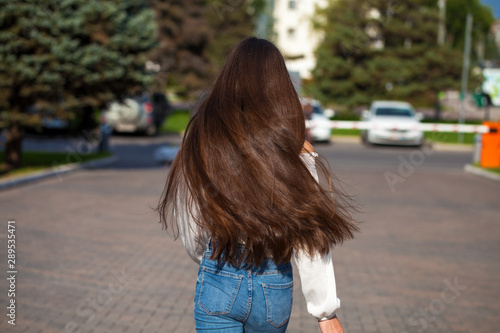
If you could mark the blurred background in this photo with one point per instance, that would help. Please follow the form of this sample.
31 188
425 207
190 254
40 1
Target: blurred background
95 96
91 69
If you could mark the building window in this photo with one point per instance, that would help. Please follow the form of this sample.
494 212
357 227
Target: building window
291 33
292 4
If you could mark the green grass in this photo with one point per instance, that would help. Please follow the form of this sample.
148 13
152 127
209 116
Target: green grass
495 170
351 132
33 161
176 122
450 137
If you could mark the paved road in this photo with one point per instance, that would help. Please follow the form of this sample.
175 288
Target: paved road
91 257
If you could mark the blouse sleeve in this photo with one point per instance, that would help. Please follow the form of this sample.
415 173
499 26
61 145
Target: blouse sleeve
317 278
194 239
316 273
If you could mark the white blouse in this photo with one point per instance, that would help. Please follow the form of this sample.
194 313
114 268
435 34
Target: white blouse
316 273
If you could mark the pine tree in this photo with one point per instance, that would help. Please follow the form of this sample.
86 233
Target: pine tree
69 55
375 49
196 37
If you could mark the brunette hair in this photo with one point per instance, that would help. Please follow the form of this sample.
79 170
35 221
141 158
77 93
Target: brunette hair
239 173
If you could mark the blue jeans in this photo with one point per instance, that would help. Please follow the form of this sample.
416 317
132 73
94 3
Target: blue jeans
235 299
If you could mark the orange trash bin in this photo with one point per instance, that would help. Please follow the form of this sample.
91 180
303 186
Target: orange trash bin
490 151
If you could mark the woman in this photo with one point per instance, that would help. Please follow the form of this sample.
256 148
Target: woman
244 196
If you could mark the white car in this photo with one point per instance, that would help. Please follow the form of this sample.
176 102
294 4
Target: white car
319 124
393 123
141 113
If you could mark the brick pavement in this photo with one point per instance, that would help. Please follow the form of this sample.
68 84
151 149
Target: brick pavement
91 257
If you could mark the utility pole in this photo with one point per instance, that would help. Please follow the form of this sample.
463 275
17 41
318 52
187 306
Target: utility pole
442 22
465 72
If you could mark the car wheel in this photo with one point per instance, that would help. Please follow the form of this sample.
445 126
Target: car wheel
364 139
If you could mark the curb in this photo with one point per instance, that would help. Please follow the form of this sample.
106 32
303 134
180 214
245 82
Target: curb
481 172
438 146
57 171
345 138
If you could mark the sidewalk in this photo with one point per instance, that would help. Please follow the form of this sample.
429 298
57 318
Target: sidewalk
481 172
92 257
56 171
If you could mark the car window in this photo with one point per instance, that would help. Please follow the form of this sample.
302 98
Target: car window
317 109
394 112
141 98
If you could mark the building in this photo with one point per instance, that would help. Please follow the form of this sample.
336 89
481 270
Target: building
294 34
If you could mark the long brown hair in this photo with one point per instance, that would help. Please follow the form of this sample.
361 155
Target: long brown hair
239 173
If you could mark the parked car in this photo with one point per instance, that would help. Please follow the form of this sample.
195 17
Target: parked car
319 123
392 122
142 113
50 122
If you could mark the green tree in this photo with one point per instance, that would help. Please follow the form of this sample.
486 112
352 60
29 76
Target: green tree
69 55
196 37
184 38
231 21
491 49
375 50
456 13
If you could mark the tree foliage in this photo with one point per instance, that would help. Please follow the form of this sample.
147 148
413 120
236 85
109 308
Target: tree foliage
456 13
197 35
374 49
68 55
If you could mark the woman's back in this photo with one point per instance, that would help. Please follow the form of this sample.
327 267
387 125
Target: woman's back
240 160
243 184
